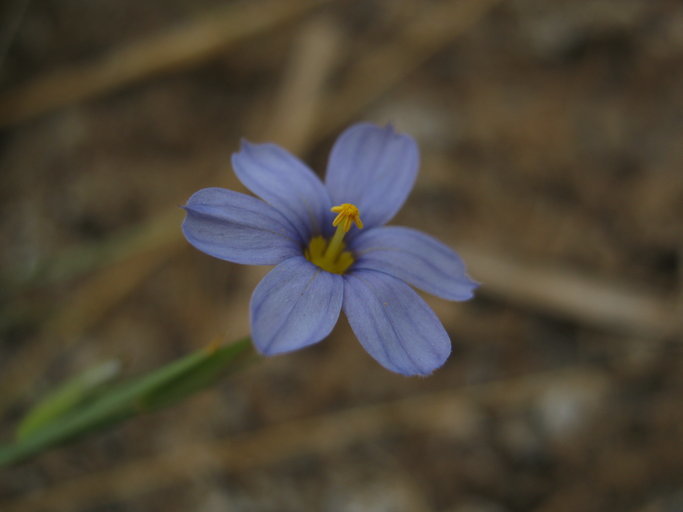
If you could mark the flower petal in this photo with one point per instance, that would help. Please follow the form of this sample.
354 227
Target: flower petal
238 228
286 183
394 324
295 305
416 258
373 168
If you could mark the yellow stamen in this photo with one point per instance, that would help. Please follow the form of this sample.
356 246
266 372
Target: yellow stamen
347 213
331 256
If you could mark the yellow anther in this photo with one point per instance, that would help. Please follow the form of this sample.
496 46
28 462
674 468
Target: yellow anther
347 214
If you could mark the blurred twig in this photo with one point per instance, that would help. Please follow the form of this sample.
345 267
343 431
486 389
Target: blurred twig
174 49
452 414
386 65
587 300
300 97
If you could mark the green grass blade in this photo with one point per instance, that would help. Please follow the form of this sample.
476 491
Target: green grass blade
160 388
67 397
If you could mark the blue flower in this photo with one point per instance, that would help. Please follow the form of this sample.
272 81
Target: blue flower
332 250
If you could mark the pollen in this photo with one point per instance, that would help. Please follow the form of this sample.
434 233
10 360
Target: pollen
347 214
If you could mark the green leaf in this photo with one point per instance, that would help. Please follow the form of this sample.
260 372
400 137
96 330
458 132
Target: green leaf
67 397
160 388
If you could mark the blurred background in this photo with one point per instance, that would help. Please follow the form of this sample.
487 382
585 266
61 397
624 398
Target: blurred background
552 154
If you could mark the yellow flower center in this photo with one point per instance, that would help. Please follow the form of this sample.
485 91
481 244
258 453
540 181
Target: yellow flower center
331 255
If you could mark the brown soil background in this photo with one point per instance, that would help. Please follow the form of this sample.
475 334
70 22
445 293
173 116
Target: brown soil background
552 155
